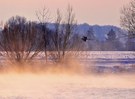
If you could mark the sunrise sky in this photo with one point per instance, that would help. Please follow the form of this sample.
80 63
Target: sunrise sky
102 12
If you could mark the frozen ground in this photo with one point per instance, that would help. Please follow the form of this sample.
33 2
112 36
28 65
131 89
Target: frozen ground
77 86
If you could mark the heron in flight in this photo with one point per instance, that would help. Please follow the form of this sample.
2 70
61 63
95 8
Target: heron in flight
84 38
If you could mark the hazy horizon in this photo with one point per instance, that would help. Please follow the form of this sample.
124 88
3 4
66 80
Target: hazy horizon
105 12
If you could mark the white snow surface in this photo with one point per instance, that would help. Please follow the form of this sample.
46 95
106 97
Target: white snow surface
29 86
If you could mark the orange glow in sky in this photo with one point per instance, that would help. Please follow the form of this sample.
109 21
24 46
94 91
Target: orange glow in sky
100 12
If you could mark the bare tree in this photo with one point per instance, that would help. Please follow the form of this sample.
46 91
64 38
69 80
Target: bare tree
128 22
56 36
127 19
68 29
43 17
20 41
63 33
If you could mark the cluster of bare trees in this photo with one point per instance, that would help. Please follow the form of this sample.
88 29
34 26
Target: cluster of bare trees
60 36
63 31
22 40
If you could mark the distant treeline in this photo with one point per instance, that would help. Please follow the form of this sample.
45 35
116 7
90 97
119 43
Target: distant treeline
52 37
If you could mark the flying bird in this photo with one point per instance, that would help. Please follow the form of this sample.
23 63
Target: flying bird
84 38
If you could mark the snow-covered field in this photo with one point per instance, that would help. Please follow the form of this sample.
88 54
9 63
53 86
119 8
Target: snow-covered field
30 86
74 86
112 61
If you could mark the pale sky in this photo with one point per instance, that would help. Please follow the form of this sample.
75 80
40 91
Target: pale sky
101 12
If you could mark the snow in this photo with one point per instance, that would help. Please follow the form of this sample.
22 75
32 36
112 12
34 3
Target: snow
31 86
